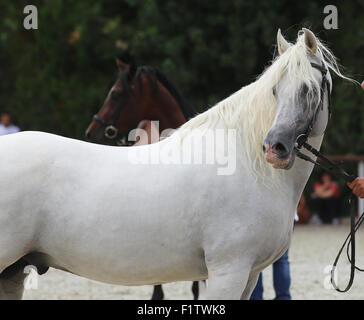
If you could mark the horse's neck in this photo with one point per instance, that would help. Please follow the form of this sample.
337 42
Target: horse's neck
167 110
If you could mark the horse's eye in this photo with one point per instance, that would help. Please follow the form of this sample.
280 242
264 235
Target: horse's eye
115 95
274 91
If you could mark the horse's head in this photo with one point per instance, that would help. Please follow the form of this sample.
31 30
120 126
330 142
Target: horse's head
137 95
302 98
127 103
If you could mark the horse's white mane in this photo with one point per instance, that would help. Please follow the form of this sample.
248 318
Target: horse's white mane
251 110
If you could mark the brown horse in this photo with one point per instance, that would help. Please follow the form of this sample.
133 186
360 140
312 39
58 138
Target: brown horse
139 96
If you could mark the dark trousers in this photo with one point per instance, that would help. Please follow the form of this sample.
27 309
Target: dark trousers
281 281
327 209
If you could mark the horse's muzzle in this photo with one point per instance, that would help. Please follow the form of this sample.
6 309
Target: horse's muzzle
277 157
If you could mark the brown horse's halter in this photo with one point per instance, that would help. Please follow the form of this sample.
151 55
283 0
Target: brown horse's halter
110 130
339 172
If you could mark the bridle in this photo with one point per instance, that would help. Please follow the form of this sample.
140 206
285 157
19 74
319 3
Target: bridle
301 141
325 88
110 130
326 164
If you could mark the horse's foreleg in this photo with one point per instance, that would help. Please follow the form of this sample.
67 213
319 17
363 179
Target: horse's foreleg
158 293
227 282
12 281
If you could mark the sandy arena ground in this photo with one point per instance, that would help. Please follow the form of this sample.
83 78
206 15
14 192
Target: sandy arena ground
313 249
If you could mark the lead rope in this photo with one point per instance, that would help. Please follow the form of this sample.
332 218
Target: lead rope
357 225
350 236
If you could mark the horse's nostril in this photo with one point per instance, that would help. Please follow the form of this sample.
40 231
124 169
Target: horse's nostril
280 148
264 148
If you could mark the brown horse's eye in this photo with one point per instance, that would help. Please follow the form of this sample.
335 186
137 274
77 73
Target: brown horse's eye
115 95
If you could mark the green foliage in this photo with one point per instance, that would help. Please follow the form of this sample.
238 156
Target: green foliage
56 77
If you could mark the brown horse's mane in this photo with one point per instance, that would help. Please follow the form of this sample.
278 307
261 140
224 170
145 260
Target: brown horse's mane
154 75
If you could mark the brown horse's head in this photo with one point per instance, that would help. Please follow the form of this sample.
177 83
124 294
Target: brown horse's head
119 105
137 94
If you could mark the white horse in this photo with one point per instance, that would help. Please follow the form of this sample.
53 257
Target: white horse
62 204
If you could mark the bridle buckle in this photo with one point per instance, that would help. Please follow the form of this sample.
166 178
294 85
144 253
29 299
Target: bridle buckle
111 132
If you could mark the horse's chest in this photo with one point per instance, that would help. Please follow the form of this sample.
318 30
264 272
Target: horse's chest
276 238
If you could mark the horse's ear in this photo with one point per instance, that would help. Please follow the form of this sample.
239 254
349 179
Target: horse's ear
310 40
121 65
282 43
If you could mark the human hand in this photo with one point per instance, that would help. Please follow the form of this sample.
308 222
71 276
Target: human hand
357 186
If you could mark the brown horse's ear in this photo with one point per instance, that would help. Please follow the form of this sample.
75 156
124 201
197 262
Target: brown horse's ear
121 65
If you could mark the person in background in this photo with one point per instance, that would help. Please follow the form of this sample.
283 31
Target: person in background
326 194
6 125
281 280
